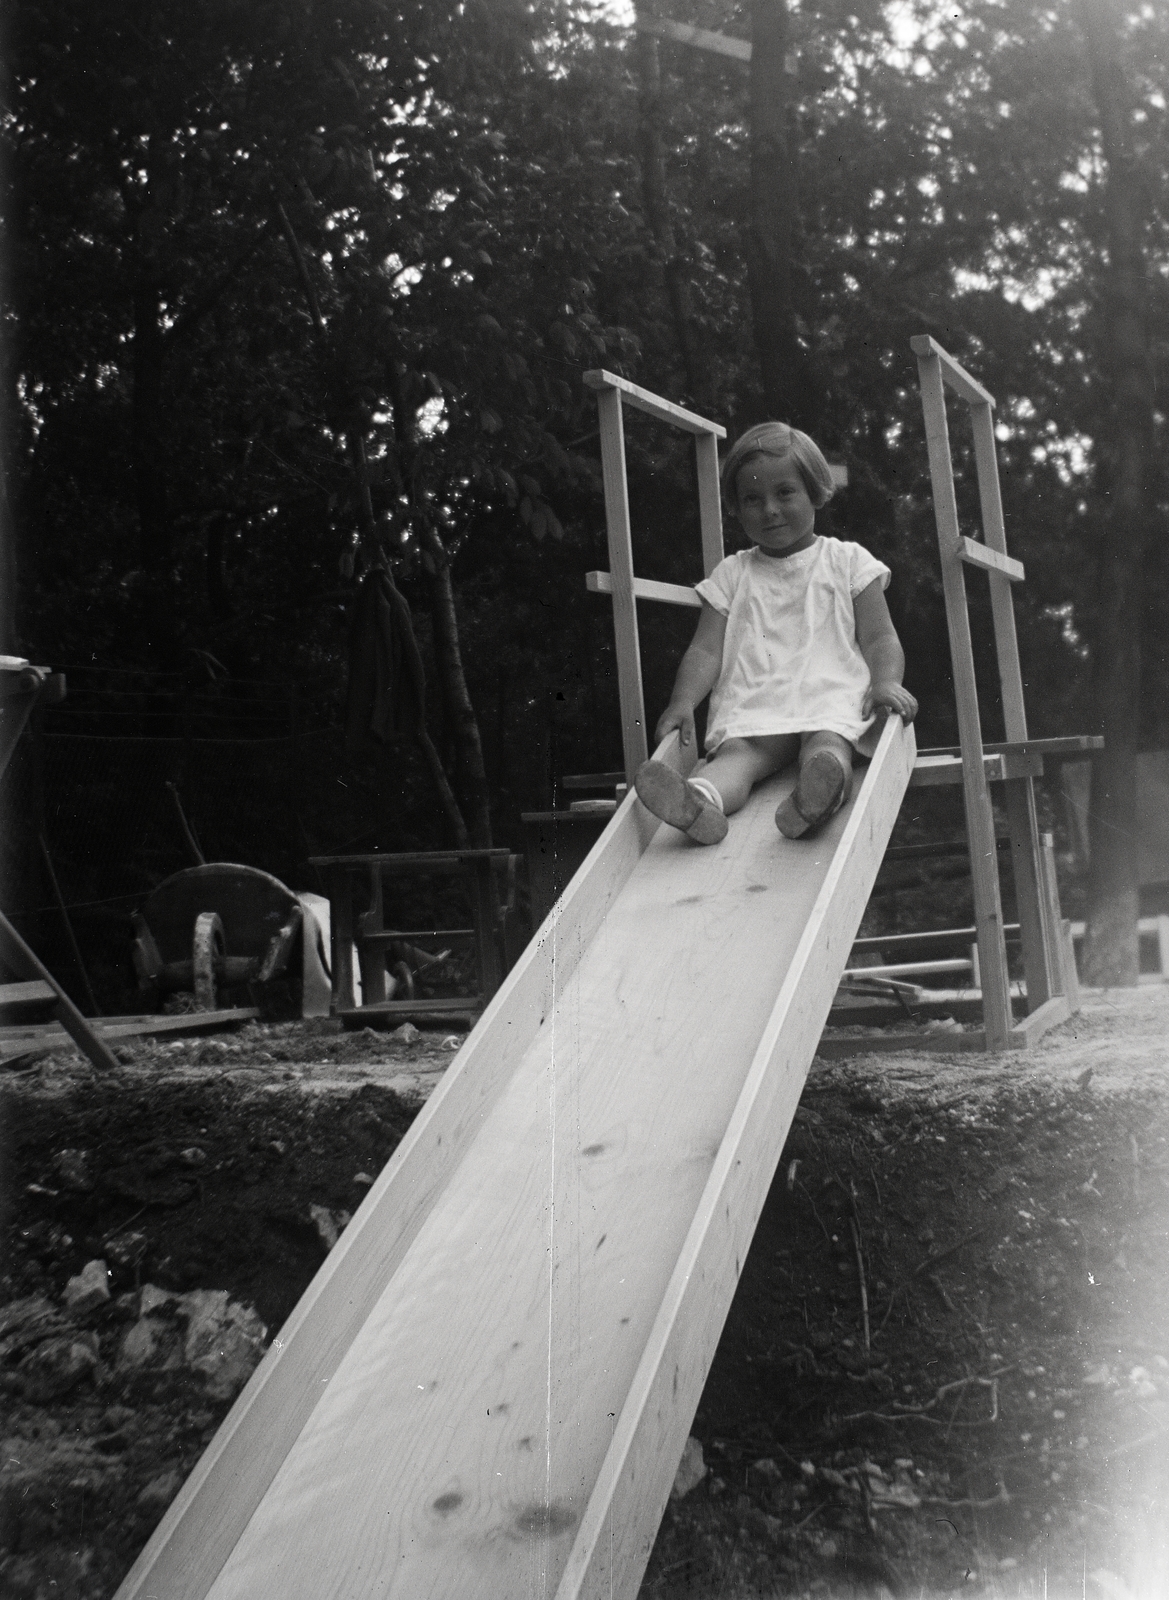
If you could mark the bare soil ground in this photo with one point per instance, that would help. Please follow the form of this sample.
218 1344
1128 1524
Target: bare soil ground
1002 1431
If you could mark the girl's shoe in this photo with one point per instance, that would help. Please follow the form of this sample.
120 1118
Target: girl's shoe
818 795
667 794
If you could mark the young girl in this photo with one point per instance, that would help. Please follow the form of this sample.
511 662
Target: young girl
795 647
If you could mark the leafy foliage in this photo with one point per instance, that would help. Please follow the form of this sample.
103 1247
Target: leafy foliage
242 233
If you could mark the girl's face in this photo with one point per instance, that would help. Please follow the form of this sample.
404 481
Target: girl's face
774 507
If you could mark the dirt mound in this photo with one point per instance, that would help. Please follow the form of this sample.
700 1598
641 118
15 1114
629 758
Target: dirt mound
997 1225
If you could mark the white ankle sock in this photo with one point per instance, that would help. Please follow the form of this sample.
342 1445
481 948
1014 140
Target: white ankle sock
708 792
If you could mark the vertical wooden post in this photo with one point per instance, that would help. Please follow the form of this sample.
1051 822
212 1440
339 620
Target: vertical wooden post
480 871
341 938
371 958
633 734
988 910
1041 965
709 503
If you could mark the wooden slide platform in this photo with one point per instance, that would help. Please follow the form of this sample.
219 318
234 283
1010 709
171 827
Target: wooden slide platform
487 1387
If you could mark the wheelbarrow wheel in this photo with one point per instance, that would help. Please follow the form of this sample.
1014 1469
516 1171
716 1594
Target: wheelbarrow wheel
208 957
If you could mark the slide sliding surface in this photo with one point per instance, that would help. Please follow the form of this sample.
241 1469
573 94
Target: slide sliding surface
491 1397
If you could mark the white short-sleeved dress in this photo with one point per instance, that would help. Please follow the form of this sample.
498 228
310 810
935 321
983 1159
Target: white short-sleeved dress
791 663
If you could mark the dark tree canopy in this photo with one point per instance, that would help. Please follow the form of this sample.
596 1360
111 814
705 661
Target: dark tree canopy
246 239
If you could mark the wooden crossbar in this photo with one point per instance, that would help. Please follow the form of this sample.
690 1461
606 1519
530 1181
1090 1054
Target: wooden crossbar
719 44
673 594
653 404
981 555
931 769
953 374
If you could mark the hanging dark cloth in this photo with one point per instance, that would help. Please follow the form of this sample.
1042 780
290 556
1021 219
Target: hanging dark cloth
385 671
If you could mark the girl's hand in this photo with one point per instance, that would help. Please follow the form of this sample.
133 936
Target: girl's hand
680 717
886 697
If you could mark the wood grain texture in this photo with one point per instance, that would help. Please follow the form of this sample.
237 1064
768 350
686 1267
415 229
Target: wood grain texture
616 1535
453 1446
674 594
202 1525
653 404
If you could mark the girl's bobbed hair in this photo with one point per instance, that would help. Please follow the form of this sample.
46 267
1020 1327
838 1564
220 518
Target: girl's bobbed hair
777 439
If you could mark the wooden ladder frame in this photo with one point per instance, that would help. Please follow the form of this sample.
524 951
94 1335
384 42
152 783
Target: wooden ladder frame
1048 962
1036 892
619 581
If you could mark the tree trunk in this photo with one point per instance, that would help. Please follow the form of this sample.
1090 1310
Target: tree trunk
449 656
8 565
1111 956
657 210
156 548
438 774
456 698
788 390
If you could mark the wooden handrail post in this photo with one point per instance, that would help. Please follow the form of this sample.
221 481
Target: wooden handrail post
633 734
988 909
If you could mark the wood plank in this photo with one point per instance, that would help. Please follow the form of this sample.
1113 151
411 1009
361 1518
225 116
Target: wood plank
1056 1010
403 1010
20 958
634 739
342 933
1002 604
22 994
842 1047
710 515
988 911
592 780
1040 951
390 862
1074 744
1071 975
653 404
52 1035
981 555
933 852
925 940
1041 961
674 594
932 769
910 969
953 374
498 1357
201 1527
720 44
612 1546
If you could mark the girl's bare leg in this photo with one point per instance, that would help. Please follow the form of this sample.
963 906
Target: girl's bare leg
739 764
825 770
814 743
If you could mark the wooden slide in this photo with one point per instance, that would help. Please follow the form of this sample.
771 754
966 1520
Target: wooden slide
486 1389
